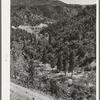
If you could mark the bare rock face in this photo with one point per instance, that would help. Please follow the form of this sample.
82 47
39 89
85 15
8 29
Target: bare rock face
90 85
70 82
68 74
93 65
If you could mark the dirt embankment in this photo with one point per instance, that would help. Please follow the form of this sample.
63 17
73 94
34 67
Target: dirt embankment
21 93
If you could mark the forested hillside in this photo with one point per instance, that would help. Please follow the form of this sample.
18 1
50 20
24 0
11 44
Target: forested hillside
26 11
51 40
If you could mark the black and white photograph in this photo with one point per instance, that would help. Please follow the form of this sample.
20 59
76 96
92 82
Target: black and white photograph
53 49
